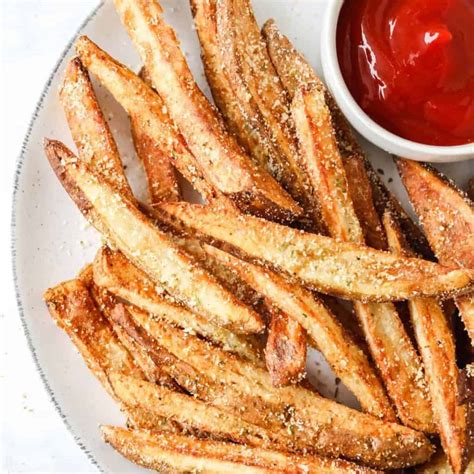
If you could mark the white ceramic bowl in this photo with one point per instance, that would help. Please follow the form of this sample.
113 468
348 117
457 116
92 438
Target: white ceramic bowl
360 120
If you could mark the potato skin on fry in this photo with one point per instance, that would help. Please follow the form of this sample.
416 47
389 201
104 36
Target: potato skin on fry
321 263
186 454
285 351
144 244
437 348
88 127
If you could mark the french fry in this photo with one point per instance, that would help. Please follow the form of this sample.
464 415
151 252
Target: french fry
285 351
437 349
188 454
239 115
105 301
191 414
88 126
123 225
315 423
390 345
447 217
321 263
345 358
148 114
369 195
72 307
161 176
113 271
258 89
226 167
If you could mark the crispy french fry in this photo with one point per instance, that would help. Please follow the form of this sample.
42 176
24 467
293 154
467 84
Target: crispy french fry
72 307
326 333
322 263
188 454
147 111
161 176
113 271
369 195
314 423
257 87
436 345
447 216
122 224
239 115
88 126
105 301
389 344
190 413
285 351
226 167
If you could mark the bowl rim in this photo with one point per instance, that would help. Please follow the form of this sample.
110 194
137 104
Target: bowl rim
364 122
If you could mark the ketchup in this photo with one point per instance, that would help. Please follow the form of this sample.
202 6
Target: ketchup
410 65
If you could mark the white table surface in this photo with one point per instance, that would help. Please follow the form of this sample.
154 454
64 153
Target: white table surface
32 35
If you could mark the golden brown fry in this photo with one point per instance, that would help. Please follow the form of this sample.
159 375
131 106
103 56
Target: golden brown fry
72 307
320 262
285 351
147 111
105 301
314 423
258 90
447 216
157 402
241 117
389 344
113 271
188 454
89 129
161 176
369 195
436 345
131 232
346 359
226 167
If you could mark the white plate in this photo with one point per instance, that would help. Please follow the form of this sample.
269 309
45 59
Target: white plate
51 241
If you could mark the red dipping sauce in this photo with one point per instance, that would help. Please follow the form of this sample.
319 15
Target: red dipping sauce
410 65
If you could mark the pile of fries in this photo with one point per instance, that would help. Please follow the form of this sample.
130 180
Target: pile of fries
196 317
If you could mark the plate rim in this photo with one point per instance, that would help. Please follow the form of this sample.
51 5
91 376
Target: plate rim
20 161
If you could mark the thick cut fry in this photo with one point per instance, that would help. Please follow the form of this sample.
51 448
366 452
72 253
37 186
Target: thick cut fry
122 224
315 423
89 129
346 359
320 262
258 89
226 167
241 117
105 301
188 454
161 176
436 345
285 351
157 402
369 195
113 271
147 111
447 216
390 346
72 307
